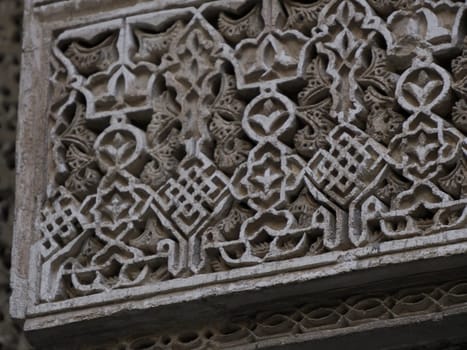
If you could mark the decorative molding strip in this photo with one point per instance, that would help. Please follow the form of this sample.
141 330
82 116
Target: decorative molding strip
307 318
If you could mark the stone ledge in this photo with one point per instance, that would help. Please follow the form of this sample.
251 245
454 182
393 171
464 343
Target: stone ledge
425 303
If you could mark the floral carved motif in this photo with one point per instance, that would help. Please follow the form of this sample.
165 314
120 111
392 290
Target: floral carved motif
203 140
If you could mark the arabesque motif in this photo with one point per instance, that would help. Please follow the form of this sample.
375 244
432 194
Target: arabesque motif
201 140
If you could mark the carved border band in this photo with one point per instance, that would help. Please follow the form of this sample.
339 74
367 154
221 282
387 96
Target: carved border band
249 331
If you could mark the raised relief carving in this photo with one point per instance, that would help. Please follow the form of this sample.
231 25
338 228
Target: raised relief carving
308 317
303 16
247 26
201 140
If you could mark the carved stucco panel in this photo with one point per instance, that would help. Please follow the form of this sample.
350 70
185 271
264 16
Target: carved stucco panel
231 140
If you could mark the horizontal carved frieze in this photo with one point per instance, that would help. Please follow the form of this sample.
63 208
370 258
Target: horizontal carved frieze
308 318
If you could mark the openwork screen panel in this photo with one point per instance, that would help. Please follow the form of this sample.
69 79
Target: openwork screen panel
223 141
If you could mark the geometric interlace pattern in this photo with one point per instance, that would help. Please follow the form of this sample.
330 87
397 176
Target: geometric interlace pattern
206 139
